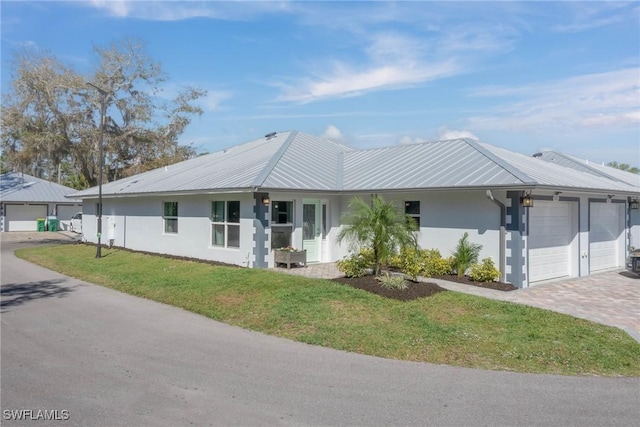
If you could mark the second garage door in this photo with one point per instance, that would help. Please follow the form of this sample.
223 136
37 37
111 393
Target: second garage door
549 240
606 222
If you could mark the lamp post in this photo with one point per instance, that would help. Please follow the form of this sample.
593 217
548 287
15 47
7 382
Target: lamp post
103 99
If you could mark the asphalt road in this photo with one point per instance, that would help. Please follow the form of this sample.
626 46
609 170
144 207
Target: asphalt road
113 359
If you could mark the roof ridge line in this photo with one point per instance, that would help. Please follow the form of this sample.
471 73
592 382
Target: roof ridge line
262 177
587 165
517 173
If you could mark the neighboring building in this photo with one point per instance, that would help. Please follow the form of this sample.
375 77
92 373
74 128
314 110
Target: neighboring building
24 199
291 188
633 217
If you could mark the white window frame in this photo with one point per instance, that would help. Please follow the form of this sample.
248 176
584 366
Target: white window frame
165 218
282 225
225 223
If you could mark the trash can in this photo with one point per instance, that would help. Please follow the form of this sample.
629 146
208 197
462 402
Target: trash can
53 224
41 224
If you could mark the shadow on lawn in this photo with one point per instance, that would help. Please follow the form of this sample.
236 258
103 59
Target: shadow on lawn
14 294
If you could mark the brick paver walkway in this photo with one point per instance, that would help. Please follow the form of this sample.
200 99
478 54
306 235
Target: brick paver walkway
611 298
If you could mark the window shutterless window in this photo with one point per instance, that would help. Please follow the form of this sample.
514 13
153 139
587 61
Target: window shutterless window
225 224
170 216
281 224
412 208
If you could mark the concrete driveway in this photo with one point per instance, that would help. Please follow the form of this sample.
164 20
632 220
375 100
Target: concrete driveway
113 359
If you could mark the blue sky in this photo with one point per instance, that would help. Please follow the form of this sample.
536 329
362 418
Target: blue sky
526 76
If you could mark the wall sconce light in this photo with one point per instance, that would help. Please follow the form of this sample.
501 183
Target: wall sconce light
556 196
527 201
609 197
634 203
266 200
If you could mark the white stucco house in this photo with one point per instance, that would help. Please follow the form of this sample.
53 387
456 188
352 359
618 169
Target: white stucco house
25 198
291 188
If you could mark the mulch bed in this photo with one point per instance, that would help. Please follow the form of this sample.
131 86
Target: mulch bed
498 286
370 284
416 289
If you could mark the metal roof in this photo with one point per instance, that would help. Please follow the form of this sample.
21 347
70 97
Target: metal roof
285 160
296 161
446 164
23 188
590 167
553 175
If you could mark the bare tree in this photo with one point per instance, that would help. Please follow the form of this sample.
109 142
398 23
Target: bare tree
51 123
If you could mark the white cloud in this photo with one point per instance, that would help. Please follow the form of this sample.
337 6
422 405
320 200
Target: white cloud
594 100
177 10
406 140
445 134
332 133
213 99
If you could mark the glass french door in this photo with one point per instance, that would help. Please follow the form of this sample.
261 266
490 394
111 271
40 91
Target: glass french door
311 229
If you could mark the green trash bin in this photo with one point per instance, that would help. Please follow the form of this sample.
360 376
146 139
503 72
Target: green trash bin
41 224
53 224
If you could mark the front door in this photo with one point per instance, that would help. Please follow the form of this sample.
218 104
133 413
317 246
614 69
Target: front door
311 232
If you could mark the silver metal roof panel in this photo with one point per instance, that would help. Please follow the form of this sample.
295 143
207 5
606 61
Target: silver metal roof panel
23 188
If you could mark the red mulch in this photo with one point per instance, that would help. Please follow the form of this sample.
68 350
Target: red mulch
370 284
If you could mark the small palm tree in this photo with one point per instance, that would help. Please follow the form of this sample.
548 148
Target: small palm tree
466 253
378 225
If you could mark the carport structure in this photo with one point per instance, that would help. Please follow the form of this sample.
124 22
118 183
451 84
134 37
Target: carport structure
25 198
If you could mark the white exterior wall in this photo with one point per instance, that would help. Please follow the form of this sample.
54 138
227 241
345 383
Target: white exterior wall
445 216
139 226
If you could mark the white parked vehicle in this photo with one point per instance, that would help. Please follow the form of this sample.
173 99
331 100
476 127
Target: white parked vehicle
75 224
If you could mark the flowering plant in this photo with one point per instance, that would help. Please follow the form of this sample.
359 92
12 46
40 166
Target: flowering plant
289 249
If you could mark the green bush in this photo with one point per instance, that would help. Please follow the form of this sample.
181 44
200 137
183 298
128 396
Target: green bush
465 255
425 263
438 266
392 281
356 265
484 272
410 262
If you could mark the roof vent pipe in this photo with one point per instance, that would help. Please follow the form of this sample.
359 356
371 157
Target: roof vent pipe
270 135
503 224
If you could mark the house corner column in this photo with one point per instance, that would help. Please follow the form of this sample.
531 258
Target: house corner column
260 231
516 237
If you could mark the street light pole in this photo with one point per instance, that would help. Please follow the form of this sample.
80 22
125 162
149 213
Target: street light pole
103 99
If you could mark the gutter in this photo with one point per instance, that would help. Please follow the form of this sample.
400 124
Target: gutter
503 224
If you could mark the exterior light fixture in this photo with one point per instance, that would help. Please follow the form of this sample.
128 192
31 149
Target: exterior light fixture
556 196
527 200
609 197
634 203
266 200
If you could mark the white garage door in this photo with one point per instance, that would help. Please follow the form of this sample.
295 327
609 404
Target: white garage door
549 240
23 217
605 231
65 212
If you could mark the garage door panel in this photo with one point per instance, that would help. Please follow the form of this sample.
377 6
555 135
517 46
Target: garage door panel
605 230
24 217
549 240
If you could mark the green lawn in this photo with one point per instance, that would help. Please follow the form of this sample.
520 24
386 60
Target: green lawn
447 328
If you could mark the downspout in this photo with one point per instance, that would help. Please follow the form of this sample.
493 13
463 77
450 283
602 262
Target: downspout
503 224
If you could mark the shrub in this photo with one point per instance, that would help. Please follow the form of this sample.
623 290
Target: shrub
484 272
392 281
439 266
466 253
356 265
410 262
